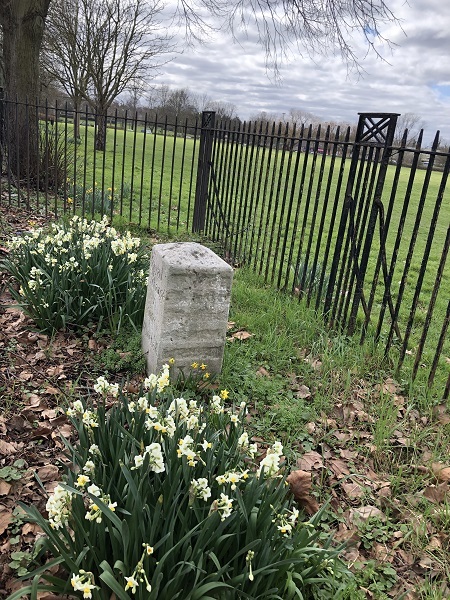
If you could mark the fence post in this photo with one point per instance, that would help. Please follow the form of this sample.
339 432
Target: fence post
203 170
375 130
379 132
329 312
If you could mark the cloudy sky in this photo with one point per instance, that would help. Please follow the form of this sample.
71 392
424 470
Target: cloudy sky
414 78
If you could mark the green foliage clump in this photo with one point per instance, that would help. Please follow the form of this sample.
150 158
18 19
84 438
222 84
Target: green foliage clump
79 273
124 354
378 579
55 160
164 498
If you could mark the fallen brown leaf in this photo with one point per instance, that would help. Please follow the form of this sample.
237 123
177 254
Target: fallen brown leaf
51 390
31 528
341 436
300 484
345 534
25 376
354 411
72 351
399 400
5 518
348 454
6 448
5 487
65 431
436 493
441 472
362 513
30 531
385 491
48 473
382 553
353 490
390 386
303 392
132 388
50 414
434 544
55 371
4 548
241 335
310 460
34 401
44 430
427 562
440 414
405 557
339 468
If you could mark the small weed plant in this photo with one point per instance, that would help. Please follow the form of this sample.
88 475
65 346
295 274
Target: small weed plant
123 354
78 273
167 498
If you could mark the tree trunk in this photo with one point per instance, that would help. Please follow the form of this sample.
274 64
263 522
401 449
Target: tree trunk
22 23
100 138
76 117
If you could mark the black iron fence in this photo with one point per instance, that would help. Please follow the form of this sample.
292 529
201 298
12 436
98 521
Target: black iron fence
358 227
353 222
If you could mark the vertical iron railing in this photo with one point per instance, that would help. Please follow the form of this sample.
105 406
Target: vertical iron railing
204 161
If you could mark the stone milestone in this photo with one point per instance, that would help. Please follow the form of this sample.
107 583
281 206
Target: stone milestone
186 311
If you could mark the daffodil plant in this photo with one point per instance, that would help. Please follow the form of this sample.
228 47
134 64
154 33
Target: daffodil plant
168 497
78 273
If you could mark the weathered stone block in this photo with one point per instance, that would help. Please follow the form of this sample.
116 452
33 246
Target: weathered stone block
186 312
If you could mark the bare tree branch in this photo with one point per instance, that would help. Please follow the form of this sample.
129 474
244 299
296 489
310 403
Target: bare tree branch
98 48
311 27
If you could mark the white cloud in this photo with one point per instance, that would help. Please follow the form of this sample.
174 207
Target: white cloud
414 77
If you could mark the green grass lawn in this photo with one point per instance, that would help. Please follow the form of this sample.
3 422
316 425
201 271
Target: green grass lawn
281 212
